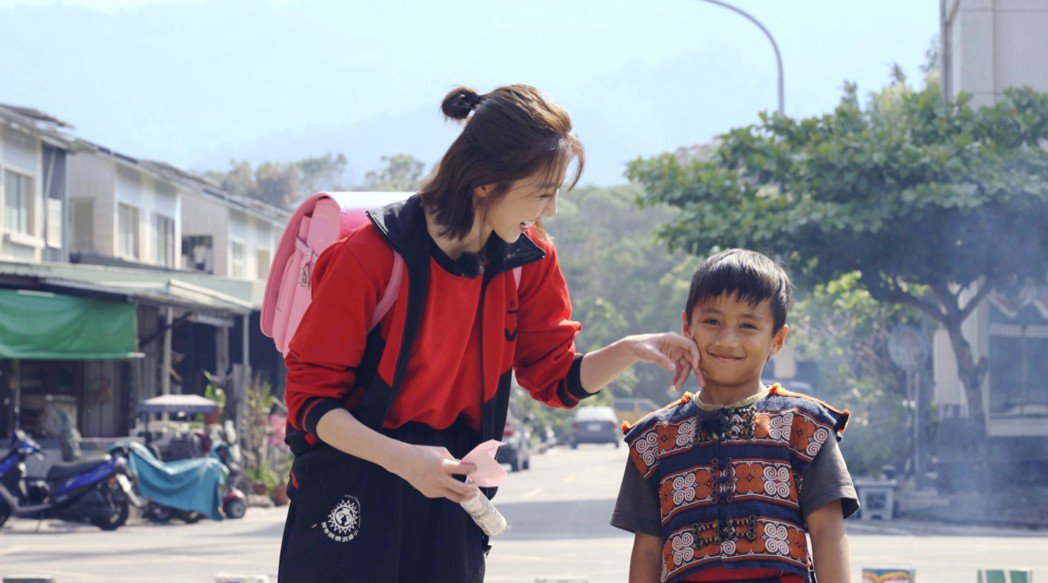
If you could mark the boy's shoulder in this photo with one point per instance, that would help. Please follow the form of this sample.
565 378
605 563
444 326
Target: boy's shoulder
785 397
673 411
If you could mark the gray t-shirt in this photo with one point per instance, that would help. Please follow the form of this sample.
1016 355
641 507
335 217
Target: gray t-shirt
827 479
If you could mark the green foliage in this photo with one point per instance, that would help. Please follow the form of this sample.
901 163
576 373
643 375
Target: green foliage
262 474
255 433
283 184
402 173
622 281
215 393
840 326
927 201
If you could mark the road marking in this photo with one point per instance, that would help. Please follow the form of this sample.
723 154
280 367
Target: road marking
568 478
14 549
531 494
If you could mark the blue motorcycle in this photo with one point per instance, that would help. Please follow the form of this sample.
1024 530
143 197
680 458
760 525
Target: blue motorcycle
95 490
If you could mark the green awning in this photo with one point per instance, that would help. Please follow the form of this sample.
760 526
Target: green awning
47 326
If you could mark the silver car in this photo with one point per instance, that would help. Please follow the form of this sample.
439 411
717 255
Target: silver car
595 425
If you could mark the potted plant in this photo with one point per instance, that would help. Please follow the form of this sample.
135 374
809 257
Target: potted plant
282 468
215 393
262 479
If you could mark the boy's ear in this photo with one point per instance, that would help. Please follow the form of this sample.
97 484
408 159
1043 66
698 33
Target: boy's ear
686 326
779 340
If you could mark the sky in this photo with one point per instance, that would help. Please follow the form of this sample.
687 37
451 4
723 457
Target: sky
197 83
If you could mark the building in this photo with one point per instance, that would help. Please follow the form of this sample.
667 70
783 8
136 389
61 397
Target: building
988 46
121 279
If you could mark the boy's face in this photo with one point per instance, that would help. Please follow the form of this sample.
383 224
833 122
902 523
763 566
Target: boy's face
735 340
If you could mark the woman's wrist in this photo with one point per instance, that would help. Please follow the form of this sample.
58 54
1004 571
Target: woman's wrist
602 366
391 453
341 430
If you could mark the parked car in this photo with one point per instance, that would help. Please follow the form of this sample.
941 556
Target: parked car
517 449
632 410
547 438
595 425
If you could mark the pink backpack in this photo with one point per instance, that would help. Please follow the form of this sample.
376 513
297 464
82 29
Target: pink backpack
319 221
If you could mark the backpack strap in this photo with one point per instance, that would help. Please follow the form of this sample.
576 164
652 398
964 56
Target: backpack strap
389 297
375 406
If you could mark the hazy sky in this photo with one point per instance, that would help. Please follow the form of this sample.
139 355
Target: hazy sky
196 83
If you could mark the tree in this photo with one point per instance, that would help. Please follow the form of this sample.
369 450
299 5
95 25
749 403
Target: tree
402 173
932 203
283 184
840 326
622 280
323 173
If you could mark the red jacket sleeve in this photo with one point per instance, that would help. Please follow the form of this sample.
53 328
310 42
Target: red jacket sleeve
329 344
546 362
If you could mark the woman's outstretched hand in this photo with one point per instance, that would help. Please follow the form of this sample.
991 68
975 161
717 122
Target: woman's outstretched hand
673 352
429 469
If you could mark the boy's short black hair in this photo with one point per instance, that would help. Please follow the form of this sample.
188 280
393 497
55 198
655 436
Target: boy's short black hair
748 275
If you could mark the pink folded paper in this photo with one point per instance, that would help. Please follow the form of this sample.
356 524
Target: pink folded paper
489 474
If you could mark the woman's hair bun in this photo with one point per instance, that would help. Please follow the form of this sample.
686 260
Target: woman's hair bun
460 102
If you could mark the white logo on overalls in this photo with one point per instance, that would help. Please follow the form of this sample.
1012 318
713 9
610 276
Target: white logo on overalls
343 524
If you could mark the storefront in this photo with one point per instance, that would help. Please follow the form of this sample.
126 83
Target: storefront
65 353
95 341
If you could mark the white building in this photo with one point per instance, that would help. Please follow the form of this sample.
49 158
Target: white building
33 152
86 231
988 46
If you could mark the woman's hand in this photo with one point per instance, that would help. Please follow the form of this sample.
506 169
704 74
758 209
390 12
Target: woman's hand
673 352
429 469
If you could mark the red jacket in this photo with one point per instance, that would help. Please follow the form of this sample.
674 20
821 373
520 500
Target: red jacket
470 332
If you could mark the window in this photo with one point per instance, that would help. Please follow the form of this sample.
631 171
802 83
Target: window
263 259
127 231
238 258
1018 353
197 253
164 240
54 223
18 202
82 216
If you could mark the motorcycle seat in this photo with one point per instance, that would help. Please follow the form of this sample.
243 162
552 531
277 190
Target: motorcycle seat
64 469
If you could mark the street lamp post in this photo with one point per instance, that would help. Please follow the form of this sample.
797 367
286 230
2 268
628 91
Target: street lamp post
778 57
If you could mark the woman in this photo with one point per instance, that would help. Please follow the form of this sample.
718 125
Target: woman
483 297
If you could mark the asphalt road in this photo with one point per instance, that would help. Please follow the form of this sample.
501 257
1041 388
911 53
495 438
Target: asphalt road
558 513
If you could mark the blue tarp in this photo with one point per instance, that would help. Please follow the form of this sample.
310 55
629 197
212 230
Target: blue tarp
193 484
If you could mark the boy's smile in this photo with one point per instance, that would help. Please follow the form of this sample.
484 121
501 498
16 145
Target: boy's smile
735 340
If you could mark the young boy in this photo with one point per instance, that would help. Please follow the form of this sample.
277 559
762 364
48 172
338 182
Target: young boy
725 485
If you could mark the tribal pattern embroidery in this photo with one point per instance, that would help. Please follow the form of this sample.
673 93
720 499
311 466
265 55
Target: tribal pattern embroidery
731 480
743 539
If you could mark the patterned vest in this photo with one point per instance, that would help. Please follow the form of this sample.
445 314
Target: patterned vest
729 480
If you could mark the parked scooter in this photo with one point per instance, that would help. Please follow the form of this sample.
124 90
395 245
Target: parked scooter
187 489
234 501
95 490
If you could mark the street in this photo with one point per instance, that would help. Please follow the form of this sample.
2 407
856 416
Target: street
558 514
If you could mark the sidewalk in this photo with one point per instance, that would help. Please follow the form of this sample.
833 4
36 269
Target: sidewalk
1013 508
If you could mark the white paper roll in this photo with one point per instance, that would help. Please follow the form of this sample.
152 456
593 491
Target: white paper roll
484 513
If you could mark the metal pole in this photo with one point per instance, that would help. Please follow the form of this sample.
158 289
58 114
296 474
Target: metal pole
778 56
165 361
917 470
16 377
245 380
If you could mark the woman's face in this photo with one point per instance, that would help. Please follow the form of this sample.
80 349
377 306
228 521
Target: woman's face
527 201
